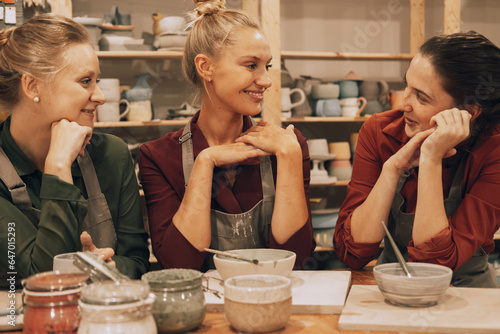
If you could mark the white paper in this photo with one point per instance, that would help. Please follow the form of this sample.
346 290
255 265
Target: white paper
1 13
10 15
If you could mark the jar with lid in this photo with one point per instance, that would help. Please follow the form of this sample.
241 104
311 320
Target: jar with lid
51 302
114 307
180 301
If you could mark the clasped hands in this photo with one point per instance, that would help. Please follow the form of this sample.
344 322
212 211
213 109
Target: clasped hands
449 128
263 139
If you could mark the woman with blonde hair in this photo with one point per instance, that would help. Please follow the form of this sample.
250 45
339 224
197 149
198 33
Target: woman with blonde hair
222 181
63 188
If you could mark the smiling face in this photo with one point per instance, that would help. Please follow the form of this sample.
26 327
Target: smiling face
241 75
424 96
73 94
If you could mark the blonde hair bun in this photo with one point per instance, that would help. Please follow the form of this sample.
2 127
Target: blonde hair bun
207 7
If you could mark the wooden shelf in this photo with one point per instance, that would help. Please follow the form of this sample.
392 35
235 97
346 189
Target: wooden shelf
343 56
128 124
302 55
312 119
335 184
177 122
139 54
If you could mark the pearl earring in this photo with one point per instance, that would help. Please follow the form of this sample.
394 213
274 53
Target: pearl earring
36 99
209 80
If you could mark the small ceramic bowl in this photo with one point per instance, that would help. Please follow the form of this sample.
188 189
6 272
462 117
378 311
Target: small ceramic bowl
271 262
428 284
172 24
325 91
258 303
342 150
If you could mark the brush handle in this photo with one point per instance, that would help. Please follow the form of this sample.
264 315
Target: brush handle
400 257
231 255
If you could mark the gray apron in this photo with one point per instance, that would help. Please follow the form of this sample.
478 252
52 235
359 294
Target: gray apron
98 222
232 231
476 272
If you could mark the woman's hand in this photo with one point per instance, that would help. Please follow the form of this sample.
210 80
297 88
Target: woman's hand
104 254
408 156
452 127
67 141
230 154
271 138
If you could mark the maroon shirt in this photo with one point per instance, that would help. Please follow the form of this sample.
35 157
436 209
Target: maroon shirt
471 226
162 178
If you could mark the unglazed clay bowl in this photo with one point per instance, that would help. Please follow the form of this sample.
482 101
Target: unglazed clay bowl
427 284
271 262
258 303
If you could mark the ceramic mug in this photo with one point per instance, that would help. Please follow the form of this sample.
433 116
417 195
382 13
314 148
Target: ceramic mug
328 107
64 263
348 88
318 146
110 111
373 107
394 97
110 88
286 100
352 107
373 90
140 111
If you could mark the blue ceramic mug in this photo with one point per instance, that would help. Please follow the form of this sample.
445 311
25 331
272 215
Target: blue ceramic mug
328 107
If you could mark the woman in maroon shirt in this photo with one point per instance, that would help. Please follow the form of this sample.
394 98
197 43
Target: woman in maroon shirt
222 181
431 169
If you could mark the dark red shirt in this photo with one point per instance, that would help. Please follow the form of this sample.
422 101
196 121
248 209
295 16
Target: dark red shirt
471 226
162 178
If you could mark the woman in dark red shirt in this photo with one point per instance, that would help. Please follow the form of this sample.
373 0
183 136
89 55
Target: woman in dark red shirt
431 168
222 181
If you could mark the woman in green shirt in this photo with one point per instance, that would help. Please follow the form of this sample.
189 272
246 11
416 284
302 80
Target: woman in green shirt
71 180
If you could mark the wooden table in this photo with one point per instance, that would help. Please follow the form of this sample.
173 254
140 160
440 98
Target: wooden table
216 323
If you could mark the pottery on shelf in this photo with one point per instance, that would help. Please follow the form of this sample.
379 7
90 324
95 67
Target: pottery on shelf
142 91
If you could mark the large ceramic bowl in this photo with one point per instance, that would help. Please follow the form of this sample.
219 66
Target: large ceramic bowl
429 282
271 262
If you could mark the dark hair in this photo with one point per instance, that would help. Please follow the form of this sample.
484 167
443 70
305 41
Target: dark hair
37 48
469 65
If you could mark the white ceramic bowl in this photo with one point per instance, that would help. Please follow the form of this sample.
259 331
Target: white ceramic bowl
271 262
429 282
258 303
172 24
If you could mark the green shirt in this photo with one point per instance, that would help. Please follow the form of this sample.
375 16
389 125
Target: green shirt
64 206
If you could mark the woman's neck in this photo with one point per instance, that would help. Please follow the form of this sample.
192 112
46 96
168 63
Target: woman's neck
31 136
220 128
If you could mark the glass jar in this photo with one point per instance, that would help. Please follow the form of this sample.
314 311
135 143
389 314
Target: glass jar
51 302
114 307
180 301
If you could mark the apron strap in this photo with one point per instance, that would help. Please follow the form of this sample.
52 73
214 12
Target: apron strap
89 175
187 151
98 222
17 188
